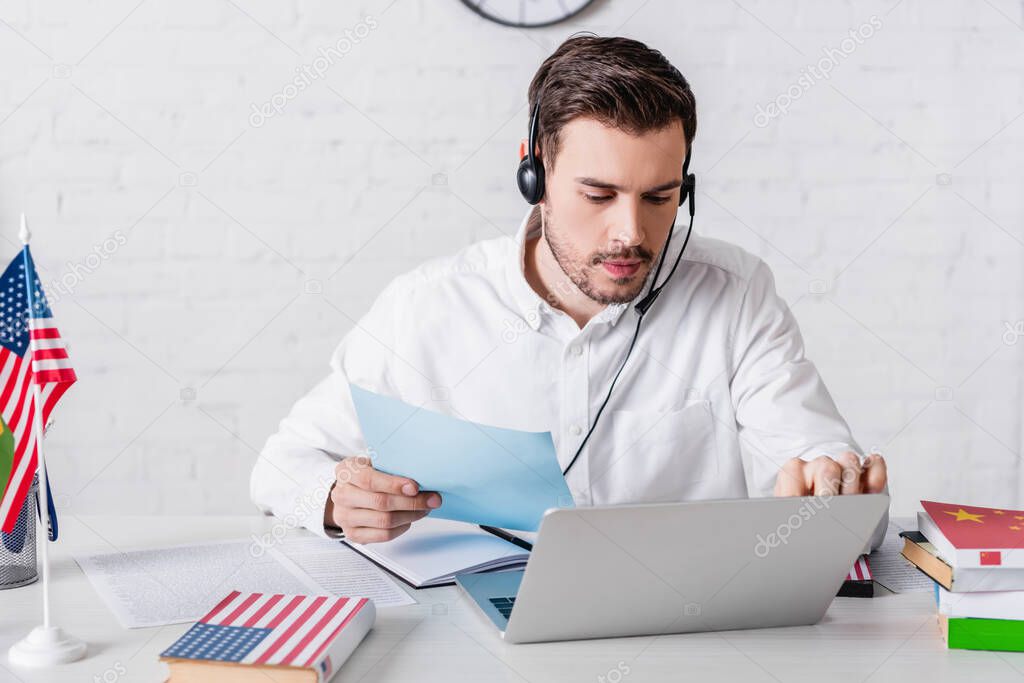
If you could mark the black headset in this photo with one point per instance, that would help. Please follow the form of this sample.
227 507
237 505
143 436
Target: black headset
530 174
530 179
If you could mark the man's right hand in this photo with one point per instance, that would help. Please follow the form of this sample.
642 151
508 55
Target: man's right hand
371 506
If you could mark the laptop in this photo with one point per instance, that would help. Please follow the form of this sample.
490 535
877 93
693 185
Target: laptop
628 570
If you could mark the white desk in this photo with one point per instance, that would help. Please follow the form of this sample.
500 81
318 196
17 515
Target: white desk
889 638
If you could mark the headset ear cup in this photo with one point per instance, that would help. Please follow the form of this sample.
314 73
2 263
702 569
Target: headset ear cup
530 174
690 189
530 179
686 189
689 179
525 180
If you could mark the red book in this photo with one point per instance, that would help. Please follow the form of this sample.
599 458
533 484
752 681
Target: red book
970 536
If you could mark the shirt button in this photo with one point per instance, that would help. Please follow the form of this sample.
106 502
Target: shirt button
577 350
576 430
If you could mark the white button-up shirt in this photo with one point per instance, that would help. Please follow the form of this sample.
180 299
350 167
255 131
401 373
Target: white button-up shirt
718 370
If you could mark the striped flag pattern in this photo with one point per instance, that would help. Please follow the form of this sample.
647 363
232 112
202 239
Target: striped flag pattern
31 351
269 629
861 570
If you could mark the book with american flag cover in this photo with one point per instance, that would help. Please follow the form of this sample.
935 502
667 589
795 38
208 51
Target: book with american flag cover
859 583
293 638
970 536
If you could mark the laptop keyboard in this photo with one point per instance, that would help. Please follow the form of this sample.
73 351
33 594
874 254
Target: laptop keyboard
504 605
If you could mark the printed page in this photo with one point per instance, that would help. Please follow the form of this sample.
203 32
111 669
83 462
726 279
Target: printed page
891 569
180 584
341 570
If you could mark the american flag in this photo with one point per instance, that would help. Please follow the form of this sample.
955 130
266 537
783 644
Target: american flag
261 628
31 350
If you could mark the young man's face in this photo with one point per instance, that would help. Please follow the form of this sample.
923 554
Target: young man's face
609 203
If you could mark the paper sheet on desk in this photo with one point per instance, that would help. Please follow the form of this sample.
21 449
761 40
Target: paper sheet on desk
179 584
894 571
485 475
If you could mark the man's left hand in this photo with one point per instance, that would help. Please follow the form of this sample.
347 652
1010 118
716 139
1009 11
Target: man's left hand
827 476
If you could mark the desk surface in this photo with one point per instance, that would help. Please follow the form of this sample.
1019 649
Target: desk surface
889 638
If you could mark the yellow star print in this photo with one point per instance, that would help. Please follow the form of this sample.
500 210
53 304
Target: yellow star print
1015 528
962 515
998 512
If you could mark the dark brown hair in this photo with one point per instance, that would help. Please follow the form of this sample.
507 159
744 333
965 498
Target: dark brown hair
619 82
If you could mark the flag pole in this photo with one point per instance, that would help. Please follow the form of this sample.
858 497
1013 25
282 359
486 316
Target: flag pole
45 645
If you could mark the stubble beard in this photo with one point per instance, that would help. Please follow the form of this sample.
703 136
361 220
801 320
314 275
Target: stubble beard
579 270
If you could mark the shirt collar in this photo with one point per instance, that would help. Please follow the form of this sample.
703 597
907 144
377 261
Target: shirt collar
529 304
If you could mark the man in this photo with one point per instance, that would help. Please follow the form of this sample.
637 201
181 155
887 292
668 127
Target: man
528 333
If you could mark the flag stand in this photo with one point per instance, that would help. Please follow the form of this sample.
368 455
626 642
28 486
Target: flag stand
45 645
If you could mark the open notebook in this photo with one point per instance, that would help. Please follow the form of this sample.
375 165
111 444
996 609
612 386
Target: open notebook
434 550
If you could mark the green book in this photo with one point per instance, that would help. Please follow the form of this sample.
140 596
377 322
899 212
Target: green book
6 455
983 634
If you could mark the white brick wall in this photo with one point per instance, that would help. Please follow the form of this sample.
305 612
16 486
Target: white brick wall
194 336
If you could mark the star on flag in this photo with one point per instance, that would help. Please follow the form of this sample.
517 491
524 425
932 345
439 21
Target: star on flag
962 515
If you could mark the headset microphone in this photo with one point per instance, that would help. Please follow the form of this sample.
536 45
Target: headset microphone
685 192
530 180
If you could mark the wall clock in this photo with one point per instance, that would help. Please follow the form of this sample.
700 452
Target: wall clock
527 13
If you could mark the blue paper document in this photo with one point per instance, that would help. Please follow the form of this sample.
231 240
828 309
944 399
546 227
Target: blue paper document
485 475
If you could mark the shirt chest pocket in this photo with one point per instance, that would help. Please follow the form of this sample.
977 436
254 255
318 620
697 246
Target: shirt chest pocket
658 456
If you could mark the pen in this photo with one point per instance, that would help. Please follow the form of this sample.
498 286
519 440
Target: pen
506 536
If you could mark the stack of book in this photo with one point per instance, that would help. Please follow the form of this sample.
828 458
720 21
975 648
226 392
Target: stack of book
975 556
